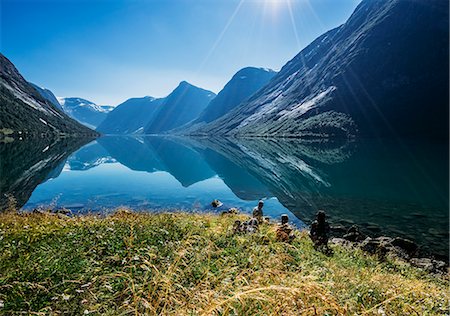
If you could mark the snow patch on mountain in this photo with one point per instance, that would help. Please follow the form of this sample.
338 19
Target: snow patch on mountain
303 107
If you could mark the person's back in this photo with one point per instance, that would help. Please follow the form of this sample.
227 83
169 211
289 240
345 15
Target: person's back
320 230
285 231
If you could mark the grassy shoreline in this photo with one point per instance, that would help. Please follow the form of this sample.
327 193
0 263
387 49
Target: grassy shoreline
192 264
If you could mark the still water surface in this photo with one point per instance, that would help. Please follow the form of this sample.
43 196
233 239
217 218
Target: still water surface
387 188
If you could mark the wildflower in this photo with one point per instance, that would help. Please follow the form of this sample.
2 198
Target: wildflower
66 297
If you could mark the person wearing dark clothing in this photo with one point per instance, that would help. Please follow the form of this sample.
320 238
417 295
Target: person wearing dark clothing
320 232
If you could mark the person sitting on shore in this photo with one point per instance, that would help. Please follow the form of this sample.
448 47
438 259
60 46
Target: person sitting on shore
250 226
285 231
319 234
258 211
253 225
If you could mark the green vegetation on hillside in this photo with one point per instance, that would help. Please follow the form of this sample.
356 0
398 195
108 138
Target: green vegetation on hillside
192 264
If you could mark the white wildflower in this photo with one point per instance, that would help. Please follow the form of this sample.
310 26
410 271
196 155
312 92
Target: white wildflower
66 297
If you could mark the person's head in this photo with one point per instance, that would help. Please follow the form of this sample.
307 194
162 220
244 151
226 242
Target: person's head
260 204
321 216
284 219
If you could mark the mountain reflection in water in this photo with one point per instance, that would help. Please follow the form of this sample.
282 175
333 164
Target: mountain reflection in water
389 188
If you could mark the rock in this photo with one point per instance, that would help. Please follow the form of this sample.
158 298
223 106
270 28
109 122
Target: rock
216 203
231 211
63 211
439 265
379 245
354 234
406 245
62 216
338 229
429 265
342 242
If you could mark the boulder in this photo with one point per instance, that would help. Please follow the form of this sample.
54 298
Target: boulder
380 245
429 265
342 242
354 234
406 245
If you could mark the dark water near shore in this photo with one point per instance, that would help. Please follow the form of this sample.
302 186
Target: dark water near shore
387 188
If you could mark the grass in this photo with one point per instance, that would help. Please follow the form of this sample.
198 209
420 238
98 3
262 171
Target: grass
192 264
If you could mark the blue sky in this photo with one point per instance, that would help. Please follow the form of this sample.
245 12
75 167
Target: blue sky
110 50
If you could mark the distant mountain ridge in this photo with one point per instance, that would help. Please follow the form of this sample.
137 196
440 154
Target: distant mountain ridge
23 111
382 73
131 116
182 105
84 111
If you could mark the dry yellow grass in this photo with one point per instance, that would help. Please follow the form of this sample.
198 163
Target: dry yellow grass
191 264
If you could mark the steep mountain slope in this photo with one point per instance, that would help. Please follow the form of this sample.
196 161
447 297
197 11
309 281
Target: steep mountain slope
48 95
24 111
241 86
182 105
86 112
131 116
382 73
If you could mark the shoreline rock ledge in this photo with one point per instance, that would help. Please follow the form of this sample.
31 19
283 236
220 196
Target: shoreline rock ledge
398 248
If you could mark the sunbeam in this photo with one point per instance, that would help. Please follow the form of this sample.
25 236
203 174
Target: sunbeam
219 38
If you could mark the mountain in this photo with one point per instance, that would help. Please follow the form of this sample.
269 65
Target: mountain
382 73
131 116
23 111
86 112
107 108
241 86
182 105
48 95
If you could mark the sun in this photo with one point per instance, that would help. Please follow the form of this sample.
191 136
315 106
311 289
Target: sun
275 3
273 8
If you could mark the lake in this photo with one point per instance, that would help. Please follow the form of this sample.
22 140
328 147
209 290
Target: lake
394 188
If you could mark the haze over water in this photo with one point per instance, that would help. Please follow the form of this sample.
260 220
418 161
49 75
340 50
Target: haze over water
387 188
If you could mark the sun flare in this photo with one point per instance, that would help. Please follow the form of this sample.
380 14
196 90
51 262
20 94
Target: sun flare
276 5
